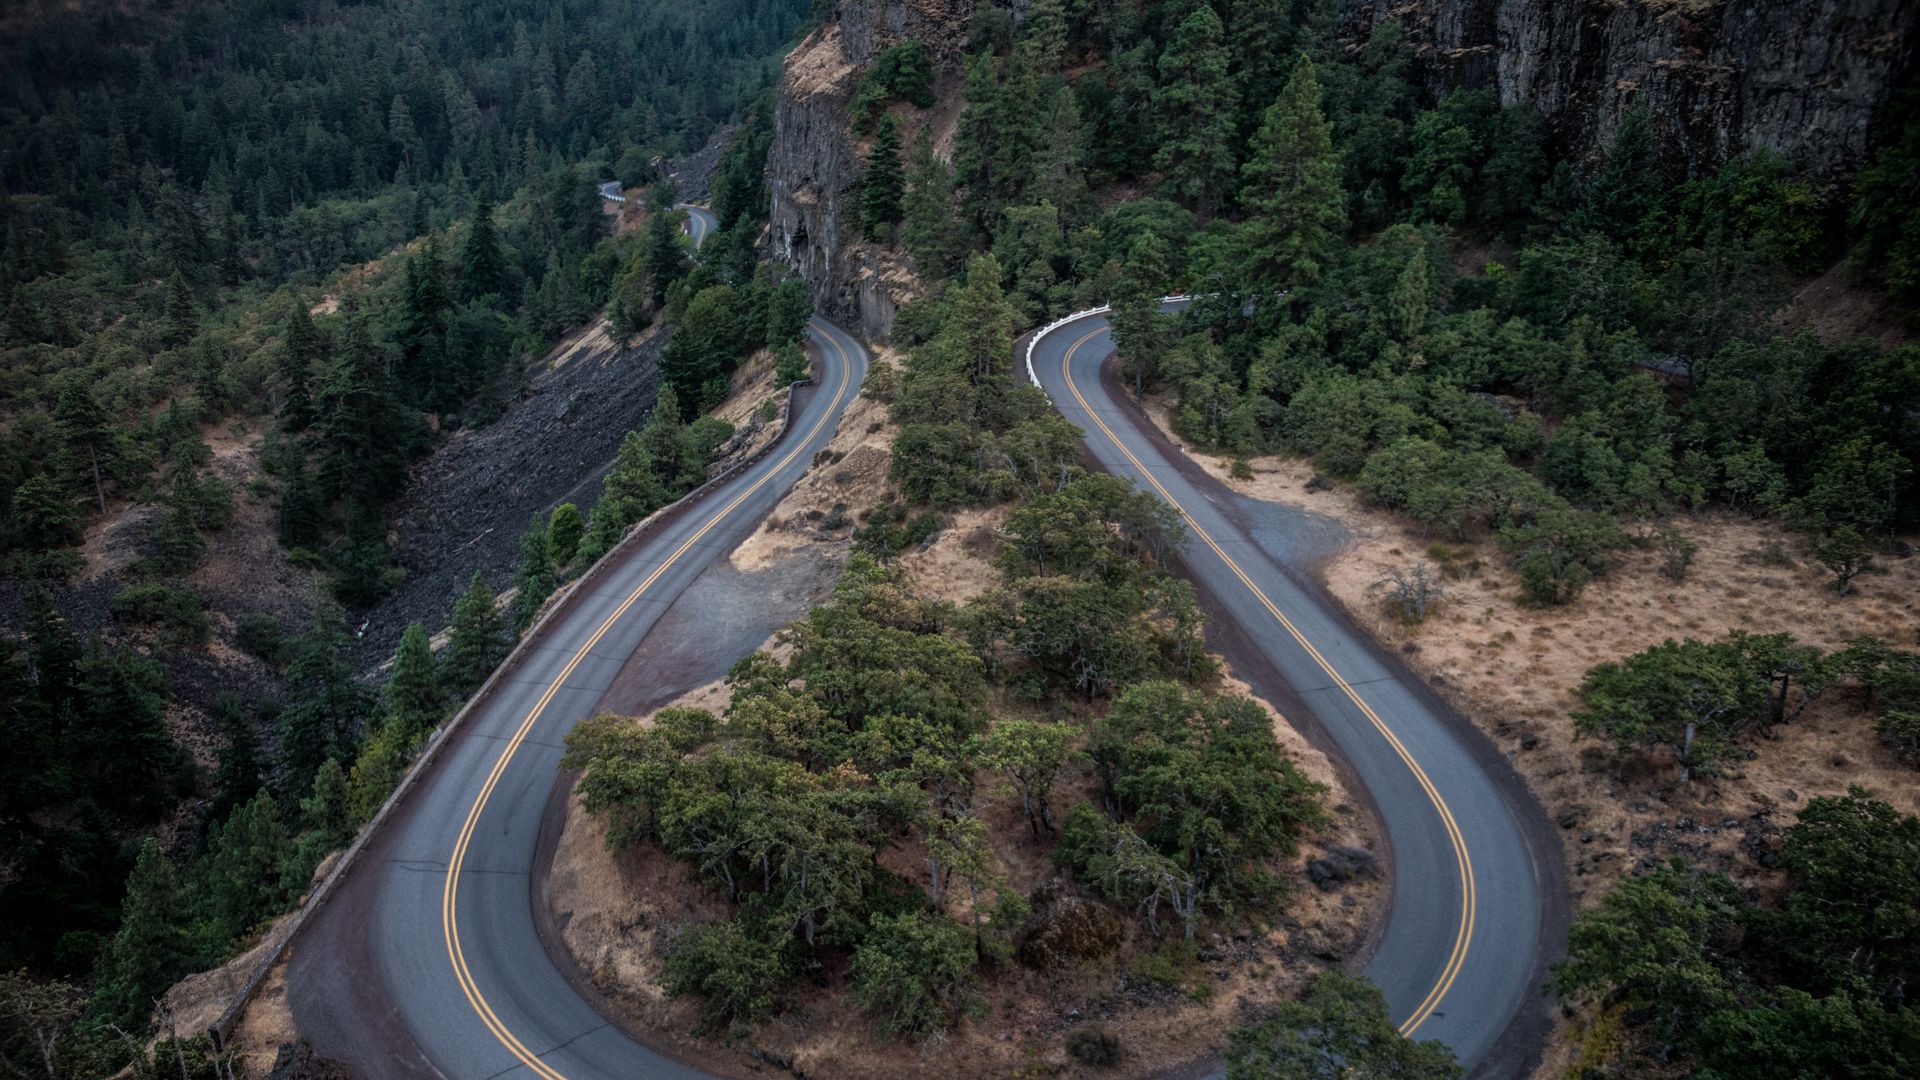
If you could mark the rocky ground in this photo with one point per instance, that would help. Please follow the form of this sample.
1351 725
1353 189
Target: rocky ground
470 501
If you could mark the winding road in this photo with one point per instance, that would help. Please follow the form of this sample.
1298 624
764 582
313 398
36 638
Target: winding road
427 960
1476 902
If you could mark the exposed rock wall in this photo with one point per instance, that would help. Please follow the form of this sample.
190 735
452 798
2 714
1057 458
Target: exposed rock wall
813 163
1722 76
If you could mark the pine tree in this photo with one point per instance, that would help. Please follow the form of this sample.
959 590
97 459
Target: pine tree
483 265
976 141
666 263
182 319
476 640
1296 208
327 706
1196 106
85 432
881 183
241 880
1629 185
632 489
301 354
1059 177
361 428
151 948
415 700
535 580
325 810
1020 124
1139 327
426 374
930 235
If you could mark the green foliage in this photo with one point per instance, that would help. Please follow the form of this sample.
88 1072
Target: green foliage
915 973
882 183
738 971
152 947
176 611
1886 202
902 72
1846 554
1698 700
1807 986
476 639
1338 1028
1292 195
535 581
1196 102
565 527
415 699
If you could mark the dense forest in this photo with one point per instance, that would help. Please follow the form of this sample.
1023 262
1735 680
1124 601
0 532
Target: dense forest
350 226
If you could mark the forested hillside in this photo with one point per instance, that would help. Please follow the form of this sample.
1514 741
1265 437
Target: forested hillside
1441 301
266 254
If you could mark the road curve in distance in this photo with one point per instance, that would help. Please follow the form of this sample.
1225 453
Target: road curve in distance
700 223
428 960
1475 887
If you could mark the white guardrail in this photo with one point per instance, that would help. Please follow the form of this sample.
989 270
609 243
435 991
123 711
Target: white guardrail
1034 341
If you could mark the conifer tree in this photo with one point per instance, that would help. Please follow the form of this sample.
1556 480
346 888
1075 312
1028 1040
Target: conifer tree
361 426
535 580
930 234
976 140
476 640
422 334
1196 106
881 183
1139 329
564 528
416 702
301 354
151 948
241 878
662 256
1059 175
1292 194
182 320
85 432
483 265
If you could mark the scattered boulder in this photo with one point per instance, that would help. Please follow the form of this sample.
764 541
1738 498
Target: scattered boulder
1067 930
1340 864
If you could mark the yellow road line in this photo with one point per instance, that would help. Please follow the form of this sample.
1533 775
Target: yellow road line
1470 901
450 922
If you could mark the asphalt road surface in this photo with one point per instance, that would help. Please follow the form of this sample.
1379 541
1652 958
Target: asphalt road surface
427 960
1476 896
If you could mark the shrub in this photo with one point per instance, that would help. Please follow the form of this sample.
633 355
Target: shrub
260 634
1412 590
1900 730
1094 1045
178 612
564 529
741 974
915 972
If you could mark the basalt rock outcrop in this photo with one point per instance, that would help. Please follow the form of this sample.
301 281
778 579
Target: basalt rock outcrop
1721 77
813 163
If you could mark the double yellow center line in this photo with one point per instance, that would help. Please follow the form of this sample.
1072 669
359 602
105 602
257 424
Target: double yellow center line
1462 859
449 897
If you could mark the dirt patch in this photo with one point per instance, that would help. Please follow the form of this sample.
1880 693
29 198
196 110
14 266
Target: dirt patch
1837 307
954 566
848 478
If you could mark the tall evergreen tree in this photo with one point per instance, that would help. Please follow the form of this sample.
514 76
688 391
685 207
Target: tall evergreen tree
1059 172
1196 105
427 373
1296 208
362 428
476 639
1629 185
301 355
483 263
152 948
881 182
415 700
85 432
182 320
535 580
930 234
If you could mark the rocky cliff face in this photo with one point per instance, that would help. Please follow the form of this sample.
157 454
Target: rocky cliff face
1722 77
814 162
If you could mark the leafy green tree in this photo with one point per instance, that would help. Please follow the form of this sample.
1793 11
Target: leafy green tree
1846 554
43 517
915 972
1339 1028
1196 105
564 529
882 183
1031 753
1659 943
535 580
302 353
1850 919
790 364
1292 191
1447 143
735 966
